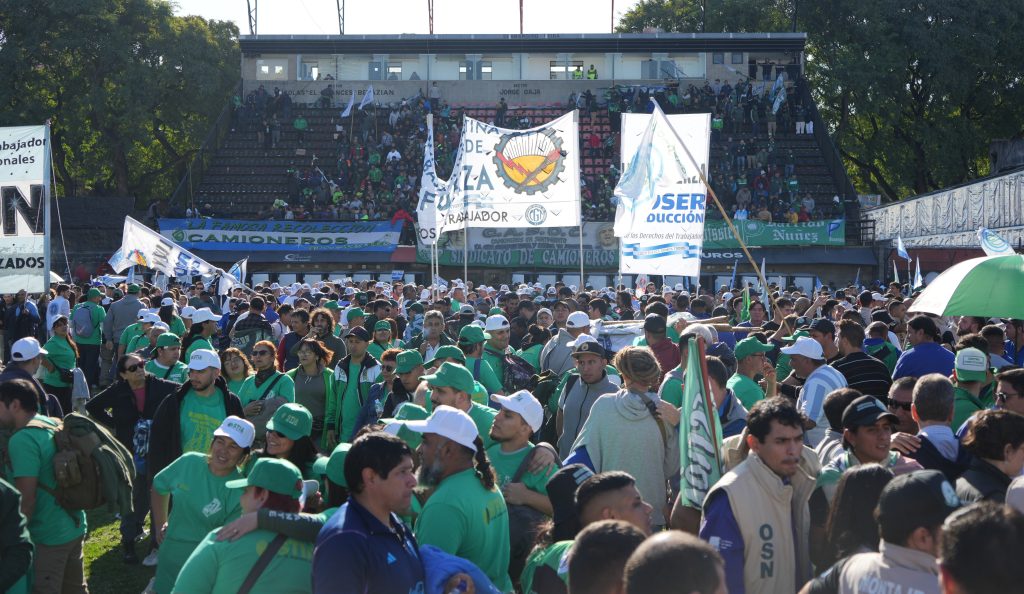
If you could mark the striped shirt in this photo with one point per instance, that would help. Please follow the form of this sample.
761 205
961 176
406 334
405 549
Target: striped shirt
865 374
812 399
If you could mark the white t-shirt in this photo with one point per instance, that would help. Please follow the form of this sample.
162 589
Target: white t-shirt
60 306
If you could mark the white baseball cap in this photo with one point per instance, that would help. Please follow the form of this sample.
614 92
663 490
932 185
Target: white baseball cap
806 346
448 422
202 359
496 322
680 287
149 318
544 310
186 312
204 314
166 301
26 349
161 325
526 405
727 296
577 319
877 297
240 431
504 288
582 338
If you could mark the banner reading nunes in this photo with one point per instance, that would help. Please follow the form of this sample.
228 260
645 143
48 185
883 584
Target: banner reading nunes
226 234
558 247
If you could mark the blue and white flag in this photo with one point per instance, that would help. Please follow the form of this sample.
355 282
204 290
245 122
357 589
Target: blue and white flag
348 108
732 282
131 275
430 188
764 285
817 284
237 270
895 271
918 281
901 249
145 247
993 243
661 199
367 98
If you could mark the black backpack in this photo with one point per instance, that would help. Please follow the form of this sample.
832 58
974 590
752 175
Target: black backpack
523 521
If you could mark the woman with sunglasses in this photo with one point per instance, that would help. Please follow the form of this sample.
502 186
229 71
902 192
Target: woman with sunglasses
61 357
197 483
236 368
288 438
265 390
127 407
314 381
383 333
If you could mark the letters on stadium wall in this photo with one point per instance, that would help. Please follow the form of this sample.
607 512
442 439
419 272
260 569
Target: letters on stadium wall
24 208
291 236
558 247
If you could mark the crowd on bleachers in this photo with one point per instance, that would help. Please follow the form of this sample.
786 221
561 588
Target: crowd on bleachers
367 166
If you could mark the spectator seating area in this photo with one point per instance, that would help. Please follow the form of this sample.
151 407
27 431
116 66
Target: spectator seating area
329 171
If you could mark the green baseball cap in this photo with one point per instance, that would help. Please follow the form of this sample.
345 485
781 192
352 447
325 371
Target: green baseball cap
362 298
382 325
448 351
292 420
332 305
495 311
93 292
472 335
750 346
355 312
168 339
133 288
274 475
333 467
451 375
406 361
416 307
797 334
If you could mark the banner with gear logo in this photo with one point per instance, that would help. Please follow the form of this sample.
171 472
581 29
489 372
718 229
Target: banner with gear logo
514 178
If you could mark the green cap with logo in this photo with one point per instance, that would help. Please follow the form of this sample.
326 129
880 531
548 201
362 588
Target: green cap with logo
495 311
451 375
750 346
333 467
796 335
168 339
93 292
133 288
448 351
292 420
274 475
382 325
355 312
472 335
332 305
406 361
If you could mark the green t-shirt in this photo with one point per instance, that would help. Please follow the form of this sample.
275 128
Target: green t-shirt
221 567
198 343
137 343
200 416
32 450
129 334
545 565
376 350
496 361
235 385
201 502
177 326
672 390
61 355
98 315
284 387
177 373
506 464
483 417
965 405
745 389
464 519
486 376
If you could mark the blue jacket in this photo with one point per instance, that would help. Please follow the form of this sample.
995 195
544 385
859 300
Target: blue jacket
354 550
441 565
925 358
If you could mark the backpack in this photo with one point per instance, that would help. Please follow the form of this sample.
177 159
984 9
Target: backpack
81 322
543 389
91 466
518 373
523 521
244 340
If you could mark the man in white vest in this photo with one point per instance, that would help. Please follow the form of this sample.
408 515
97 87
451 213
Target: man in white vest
757 515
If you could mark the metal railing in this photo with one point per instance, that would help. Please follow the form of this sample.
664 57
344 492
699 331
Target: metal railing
203 158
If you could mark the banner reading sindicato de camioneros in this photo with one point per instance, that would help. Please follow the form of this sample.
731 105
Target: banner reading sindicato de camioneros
662 203
24 209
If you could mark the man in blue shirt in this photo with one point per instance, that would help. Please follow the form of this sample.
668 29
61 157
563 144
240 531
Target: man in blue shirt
365 547
926 355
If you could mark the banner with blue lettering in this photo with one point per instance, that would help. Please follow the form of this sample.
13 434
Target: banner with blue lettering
662 203
24 209
292 236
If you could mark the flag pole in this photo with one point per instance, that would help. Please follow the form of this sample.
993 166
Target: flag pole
721 209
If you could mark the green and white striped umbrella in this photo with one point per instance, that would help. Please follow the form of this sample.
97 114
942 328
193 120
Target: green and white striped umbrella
991 287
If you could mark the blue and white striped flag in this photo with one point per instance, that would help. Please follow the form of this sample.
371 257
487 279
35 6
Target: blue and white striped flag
901 249
918 281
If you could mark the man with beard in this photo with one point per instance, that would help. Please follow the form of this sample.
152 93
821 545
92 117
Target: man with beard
466 516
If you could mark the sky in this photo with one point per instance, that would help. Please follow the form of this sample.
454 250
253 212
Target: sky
367 17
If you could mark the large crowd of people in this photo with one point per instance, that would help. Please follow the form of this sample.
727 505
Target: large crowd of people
344 436
379 151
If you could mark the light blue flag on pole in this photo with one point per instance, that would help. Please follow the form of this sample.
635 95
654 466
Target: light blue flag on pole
918 281
901 249
348 108
764 286
732 283
817 284
895 272
237 270
856 280
993 243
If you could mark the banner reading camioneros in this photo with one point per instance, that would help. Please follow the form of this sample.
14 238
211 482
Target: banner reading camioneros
547 247
661 200
24 209
514 178
303 236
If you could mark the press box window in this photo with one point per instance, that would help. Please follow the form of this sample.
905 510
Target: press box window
271 70
718 58
559 71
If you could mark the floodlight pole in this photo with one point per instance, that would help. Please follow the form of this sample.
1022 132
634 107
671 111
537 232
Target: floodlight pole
251 4
341 16
521 17
430 16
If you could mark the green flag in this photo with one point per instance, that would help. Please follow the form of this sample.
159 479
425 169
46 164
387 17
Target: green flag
700 433
745 310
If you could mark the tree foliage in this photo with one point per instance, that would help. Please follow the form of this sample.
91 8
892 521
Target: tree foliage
130 89
912 92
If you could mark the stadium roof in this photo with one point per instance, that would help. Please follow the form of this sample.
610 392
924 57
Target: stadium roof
576 43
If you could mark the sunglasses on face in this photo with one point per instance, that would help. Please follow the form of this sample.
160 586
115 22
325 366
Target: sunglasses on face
260 353
388 368
1003 396
133 368
893 404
